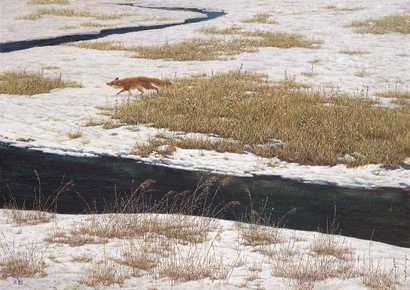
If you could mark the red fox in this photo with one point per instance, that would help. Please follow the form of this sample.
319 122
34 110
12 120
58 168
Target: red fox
139 83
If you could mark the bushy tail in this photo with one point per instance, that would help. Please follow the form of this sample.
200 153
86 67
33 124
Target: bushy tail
161 82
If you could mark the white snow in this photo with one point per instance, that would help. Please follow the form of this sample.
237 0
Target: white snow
223 242
48 118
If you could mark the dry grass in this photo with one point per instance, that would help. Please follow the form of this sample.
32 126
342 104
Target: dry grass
316 128
30 83
257 235
354 51
94 122
106 273
328 245
81 259
375 277
392 23
27 261
193 264
98 229
196 49
111 124
68 12
210 49
265 18
214 30
47 2
304 271
74 134
28 217
342 9
396 94
61 236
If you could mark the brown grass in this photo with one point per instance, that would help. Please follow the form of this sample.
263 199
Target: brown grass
98 229
27 261
224 31
375 277
392 23
69 12
30 83
209 49
28 217
328 245
74 134
195 263
257 235
106 273
47 2
303 271
265 18
396 94
354 51
81 259
316 128
61 236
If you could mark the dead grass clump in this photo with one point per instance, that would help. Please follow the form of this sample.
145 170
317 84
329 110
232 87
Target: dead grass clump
30 83
224 31
81 259
304 271
28 217
61 236
376 277
193 264
353 51
111 124
315 128
100 45
257 235
392 23
281 39
74 134
105 273
265 18
94 122
328 245
396 93
183 229
27 261
68 12
46 2
196 49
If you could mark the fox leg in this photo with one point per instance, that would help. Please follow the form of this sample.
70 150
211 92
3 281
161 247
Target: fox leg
150 86
123 90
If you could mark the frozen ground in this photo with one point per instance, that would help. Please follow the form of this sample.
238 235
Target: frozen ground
46 119
250 267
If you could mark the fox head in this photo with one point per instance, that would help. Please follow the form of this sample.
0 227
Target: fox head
114 83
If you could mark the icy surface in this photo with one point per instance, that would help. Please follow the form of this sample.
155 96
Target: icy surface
48 118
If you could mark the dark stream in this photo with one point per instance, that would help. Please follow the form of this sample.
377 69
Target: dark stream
381 215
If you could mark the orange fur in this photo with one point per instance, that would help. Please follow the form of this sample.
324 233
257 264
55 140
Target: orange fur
139 83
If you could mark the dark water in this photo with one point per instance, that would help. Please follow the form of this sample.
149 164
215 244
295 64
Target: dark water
381 215
51 41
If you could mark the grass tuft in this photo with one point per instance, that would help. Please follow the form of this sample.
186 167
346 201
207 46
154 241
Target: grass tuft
69 12
265 18
47 2
392 23
30 83
27 261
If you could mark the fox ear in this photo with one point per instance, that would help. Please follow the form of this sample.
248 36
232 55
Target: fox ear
116 79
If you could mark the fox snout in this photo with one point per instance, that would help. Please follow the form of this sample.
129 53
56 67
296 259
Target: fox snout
112 83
